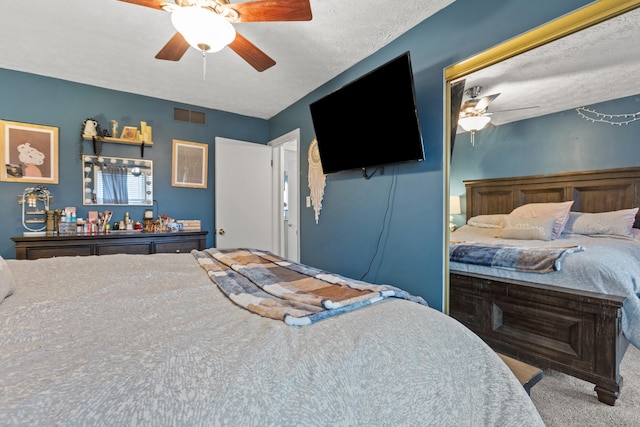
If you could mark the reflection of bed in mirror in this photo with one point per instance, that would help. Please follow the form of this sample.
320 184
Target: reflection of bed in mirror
553 320
531 70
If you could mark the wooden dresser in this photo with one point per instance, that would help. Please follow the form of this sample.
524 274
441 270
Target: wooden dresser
114 242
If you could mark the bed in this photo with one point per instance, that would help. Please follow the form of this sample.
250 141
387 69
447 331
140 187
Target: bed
161 340
577 318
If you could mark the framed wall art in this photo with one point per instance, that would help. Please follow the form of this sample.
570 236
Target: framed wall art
28 153
129 132
189 164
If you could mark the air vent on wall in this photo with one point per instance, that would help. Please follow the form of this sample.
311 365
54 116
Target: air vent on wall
189 116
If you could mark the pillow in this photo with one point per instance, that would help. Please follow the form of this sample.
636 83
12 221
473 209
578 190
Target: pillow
7 284
613 223
559 211
487 221
528 228
635 233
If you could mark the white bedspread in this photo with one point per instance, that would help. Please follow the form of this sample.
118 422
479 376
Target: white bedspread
149 340
607 265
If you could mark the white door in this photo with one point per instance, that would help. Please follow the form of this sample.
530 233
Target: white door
244 196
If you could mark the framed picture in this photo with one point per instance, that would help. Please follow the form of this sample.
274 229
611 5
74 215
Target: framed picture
28 153
189 164
129 132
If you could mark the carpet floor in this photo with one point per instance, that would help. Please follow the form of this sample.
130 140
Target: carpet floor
565 401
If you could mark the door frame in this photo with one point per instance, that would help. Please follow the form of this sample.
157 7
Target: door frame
290 140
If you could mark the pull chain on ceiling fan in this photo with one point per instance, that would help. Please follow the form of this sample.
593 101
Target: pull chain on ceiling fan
204 30
207 25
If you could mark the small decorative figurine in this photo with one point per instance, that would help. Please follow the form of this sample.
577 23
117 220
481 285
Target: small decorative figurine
114 128
90 127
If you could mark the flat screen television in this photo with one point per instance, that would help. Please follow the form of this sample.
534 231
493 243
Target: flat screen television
370 122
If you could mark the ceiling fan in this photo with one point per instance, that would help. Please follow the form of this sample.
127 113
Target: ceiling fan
473 112
207 25
475 105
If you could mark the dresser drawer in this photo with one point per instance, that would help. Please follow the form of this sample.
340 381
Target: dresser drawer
142 249
137 243
177 247
49 252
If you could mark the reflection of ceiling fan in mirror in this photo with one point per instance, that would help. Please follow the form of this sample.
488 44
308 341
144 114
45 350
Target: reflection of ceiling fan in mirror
474 114
207 25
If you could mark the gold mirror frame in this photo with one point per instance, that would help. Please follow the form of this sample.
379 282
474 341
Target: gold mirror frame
578 20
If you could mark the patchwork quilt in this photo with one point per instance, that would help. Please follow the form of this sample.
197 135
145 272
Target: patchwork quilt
516 258
275 287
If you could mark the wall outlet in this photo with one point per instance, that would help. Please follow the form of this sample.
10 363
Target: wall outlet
308 201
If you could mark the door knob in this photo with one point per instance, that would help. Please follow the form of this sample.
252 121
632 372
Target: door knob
221 232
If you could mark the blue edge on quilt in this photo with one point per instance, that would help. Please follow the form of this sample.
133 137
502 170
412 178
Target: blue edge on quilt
507 257
274 287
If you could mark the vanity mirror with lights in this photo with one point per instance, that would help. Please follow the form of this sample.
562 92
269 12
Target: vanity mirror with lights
117 181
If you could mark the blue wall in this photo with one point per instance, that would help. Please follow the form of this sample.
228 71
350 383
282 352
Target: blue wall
560 142
389 229
44 101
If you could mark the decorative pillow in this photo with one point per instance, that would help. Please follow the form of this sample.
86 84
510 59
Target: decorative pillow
7 283
559 211
515 227
487 221
614 223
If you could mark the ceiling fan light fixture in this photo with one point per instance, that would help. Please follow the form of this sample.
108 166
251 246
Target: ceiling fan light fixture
474 123
202 28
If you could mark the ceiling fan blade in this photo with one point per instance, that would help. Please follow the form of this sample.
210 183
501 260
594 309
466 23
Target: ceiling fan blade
250 53
153 4
513 109
469 105
174 49
272 10
485 101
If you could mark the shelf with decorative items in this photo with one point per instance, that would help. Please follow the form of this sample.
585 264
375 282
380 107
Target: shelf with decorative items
117 140
91 131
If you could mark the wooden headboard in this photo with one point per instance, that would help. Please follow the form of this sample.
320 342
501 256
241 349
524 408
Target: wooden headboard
591 191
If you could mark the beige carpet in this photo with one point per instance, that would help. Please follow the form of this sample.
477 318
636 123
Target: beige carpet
566 401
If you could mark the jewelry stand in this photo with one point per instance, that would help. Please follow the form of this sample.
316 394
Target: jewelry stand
35 205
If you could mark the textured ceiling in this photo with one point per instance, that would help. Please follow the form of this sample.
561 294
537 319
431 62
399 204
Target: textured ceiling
112 44
597 64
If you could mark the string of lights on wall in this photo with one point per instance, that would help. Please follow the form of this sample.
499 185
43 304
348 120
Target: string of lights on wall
612 119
